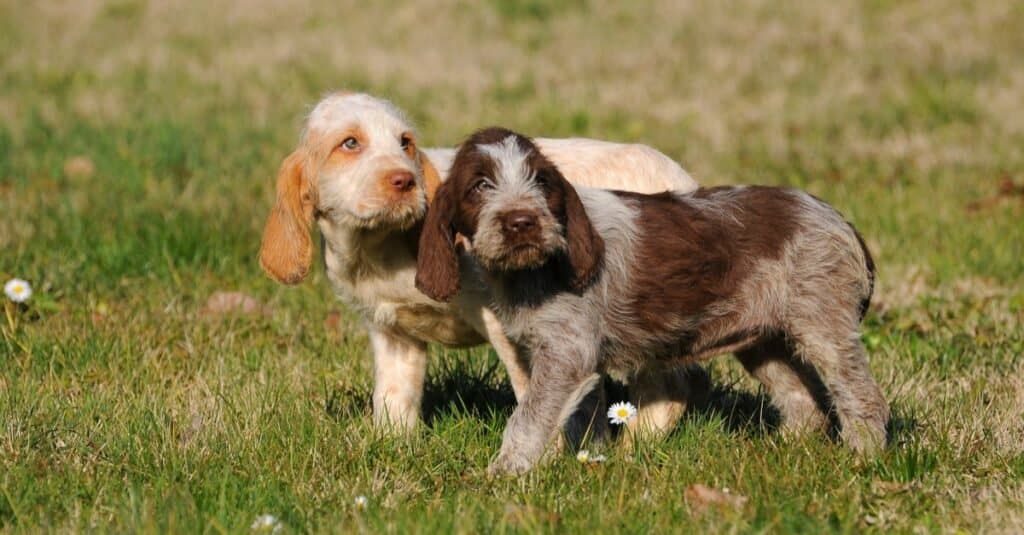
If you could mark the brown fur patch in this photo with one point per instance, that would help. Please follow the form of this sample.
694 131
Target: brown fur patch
688 258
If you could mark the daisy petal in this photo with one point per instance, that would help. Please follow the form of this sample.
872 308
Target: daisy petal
621 412
18 290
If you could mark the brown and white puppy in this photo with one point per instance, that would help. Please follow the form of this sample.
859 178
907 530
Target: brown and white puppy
588 281
359 174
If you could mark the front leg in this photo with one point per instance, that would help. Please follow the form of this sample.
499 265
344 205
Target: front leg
561 377
586 425
399 367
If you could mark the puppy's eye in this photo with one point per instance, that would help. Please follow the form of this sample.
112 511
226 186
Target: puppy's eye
406 142
541 179
481 184
350 144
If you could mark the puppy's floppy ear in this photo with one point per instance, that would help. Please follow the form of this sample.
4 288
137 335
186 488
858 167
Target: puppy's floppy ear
586 248
437 266
286 252
431 178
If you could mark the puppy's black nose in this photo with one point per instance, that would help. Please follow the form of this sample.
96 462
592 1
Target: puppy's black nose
519 221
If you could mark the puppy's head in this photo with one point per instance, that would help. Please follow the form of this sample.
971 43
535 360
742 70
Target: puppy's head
357 165
515 209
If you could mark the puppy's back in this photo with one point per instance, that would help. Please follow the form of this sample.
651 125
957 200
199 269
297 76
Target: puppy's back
677 254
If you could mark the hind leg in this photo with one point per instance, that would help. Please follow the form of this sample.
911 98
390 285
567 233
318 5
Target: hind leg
795 388
841 360
661 396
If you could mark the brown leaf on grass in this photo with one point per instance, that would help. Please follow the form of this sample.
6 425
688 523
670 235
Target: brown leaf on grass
1009 188
889 487
79 167
702 497
982 204
524 516
332 323
221 303
1006 189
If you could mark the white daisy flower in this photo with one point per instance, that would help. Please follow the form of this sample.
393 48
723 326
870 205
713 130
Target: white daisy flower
266 524
18 290
584 457
621 412
361 502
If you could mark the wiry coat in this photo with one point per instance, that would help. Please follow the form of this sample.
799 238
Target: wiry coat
589 281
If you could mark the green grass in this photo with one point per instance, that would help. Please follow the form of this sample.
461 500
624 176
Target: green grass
125 408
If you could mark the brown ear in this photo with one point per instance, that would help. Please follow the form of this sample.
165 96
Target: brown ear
437 267
431 178
586 248
287 249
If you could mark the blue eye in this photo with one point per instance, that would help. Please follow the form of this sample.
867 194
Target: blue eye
350 143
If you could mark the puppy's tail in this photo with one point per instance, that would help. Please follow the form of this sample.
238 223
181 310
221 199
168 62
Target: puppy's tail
869 263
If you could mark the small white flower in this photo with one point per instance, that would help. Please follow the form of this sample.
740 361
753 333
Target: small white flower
621 412
361 502
266 524
18 290
585 457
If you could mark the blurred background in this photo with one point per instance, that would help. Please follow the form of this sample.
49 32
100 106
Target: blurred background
901 113
138 145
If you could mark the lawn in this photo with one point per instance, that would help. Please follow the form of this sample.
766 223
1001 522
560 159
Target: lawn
138 144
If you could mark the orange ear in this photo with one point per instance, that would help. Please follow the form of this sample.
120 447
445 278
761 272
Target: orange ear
287 249
431 178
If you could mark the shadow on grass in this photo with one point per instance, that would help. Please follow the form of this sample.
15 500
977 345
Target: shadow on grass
752 414
742 411
461 389
480 395
347 402
479 390
455 387
902 426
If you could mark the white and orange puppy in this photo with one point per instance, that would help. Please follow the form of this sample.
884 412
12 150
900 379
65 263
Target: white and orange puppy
359 174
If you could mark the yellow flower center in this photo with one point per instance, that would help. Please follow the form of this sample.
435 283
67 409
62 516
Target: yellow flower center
623 413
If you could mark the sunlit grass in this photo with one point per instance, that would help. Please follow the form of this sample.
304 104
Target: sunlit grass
124 407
